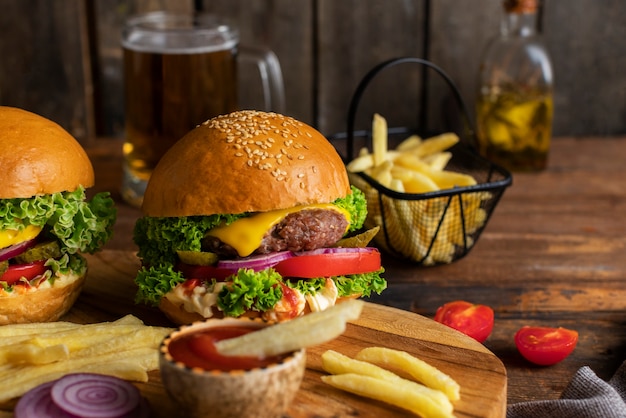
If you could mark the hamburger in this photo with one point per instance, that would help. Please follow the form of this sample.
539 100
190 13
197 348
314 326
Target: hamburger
251 214
45 219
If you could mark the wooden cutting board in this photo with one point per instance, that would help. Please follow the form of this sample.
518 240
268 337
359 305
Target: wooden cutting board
109 293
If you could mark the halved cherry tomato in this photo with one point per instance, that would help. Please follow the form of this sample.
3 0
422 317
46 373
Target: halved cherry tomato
471 319
329 265
29 271
545 346
191 271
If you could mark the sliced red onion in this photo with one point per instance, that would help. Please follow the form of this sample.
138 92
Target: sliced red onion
256 263
17 249
90 395
337 250
37 403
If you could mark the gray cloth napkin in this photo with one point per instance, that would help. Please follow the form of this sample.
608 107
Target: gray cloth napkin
586 396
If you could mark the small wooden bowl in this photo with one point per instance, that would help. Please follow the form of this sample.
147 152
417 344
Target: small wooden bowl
261 392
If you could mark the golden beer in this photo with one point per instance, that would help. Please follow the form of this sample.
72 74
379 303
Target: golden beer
167 95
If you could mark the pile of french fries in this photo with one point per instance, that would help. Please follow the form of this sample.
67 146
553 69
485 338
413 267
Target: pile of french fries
418 166
32 354
428 392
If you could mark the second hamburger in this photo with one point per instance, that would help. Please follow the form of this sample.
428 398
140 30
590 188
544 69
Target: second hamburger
245 216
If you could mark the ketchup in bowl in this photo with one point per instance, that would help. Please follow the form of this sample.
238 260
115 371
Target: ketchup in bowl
206 384
197 349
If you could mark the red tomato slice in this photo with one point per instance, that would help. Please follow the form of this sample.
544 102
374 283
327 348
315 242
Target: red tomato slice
29 271
545 346
329 265
471 319
203 273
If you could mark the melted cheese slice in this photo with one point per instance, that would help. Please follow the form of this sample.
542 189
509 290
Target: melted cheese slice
245 234
10 237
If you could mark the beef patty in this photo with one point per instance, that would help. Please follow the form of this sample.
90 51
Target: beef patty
300 231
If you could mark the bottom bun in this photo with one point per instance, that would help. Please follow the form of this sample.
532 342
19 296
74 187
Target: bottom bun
40 305
180 316
177 313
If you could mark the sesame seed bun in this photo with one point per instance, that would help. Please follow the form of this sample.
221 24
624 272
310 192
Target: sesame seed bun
246 161
39 156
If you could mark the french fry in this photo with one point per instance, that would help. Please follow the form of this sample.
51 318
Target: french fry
34 354
31 354
18 330
419 369
131 365
382 173
305 331
409 143
395 393
337 363
145 337
379 139
414 181
438 161
436 144
360 164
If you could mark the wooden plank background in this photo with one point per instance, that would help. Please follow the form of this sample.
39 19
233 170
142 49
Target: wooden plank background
63 59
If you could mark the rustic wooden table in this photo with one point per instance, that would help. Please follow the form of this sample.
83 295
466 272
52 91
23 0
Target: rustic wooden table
553 254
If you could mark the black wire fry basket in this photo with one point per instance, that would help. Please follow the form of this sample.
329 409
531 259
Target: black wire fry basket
435 227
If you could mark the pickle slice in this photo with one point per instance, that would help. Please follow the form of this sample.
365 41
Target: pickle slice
41 251
197 258
358 241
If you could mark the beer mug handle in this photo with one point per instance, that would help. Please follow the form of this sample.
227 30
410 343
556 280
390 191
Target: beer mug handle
271 75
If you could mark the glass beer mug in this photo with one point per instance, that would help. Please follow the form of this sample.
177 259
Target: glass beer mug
180 70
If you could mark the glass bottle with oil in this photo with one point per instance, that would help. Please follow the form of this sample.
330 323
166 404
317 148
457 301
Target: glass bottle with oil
514 107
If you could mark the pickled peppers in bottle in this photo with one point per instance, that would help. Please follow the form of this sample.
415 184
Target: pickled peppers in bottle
514 107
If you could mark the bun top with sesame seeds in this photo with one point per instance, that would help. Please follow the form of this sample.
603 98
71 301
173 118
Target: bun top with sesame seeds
246 161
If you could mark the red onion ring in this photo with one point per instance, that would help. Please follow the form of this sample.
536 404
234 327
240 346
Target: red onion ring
256 263
337 250
95 396
37 403
17 249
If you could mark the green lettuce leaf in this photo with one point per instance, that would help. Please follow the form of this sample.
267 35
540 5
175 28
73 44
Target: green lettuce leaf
158 239
154 282
78 225
354 284
356 205
249 290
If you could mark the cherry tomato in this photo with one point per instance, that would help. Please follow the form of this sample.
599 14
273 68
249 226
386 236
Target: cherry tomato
329 265
545 345
203 272
29 271
471 319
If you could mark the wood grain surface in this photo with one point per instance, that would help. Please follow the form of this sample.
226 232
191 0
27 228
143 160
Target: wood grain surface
109 293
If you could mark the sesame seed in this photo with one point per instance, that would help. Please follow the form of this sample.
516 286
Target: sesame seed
248 133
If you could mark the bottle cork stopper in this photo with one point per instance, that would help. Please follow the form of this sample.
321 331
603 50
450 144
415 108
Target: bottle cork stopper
520 6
